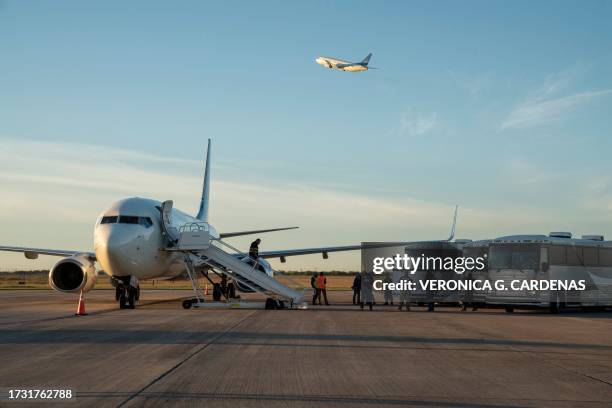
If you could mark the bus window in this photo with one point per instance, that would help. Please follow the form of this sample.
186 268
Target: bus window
590 256
557 255
500 257
514 257
574 256
605 256
525 258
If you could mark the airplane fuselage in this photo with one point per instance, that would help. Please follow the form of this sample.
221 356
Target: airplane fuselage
334 63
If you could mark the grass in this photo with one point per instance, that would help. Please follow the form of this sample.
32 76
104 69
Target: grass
39 280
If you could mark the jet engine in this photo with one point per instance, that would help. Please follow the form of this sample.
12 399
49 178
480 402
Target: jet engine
73 274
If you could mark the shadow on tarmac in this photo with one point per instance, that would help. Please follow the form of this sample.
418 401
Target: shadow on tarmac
89 336
326 399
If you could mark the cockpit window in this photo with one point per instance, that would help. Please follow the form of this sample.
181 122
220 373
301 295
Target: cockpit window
127 219
109 220
146 222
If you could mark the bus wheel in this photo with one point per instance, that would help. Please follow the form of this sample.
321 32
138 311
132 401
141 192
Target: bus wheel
187 304
509 309
554 307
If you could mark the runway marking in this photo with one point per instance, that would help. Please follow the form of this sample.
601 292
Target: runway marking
189 357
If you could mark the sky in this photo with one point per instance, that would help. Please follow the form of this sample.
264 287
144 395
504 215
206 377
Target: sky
501 107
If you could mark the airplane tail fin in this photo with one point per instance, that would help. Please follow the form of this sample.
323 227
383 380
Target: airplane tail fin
366 60
203 211
452 234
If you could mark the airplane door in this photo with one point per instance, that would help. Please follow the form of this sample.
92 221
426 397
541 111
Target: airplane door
169 231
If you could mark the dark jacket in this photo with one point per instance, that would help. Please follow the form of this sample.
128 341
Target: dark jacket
357 283
254 250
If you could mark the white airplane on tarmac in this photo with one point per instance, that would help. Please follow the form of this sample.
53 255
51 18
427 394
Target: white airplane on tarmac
342 65
138 237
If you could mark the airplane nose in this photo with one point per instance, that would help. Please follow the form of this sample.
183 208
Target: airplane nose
114 247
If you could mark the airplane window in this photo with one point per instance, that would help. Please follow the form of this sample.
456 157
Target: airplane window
128 219
109 220
146 222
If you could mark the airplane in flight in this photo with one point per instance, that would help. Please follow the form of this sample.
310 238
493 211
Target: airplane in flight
334 63
136 237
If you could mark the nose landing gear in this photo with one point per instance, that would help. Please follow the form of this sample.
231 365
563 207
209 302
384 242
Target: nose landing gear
127 291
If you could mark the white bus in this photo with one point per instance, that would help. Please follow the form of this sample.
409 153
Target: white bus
555 258
434 249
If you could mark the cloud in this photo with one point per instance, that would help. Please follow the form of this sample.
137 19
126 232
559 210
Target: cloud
416 123
74 172
560 81
547 103
46 149
537 112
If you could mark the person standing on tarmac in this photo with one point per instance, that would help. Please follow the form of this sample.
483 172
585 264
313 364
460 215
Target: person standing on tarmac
231 290
357 289
405 293
254 250
313 285
387 292
321 287
431 294
224 285
367 295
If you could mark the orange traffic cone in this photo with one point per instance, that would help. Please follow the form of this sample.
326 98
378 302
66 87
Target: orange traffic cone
81 308
206 290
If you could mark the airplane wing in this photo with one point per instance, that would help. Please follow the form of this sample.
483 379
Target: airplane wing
307 251
32 253
240 233
324 250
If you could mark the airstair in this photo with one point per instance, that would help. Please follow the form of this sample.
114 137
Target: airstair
250 275
201 249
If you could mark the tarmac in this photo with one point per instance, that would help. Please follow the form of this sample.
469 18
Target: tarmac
337 356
